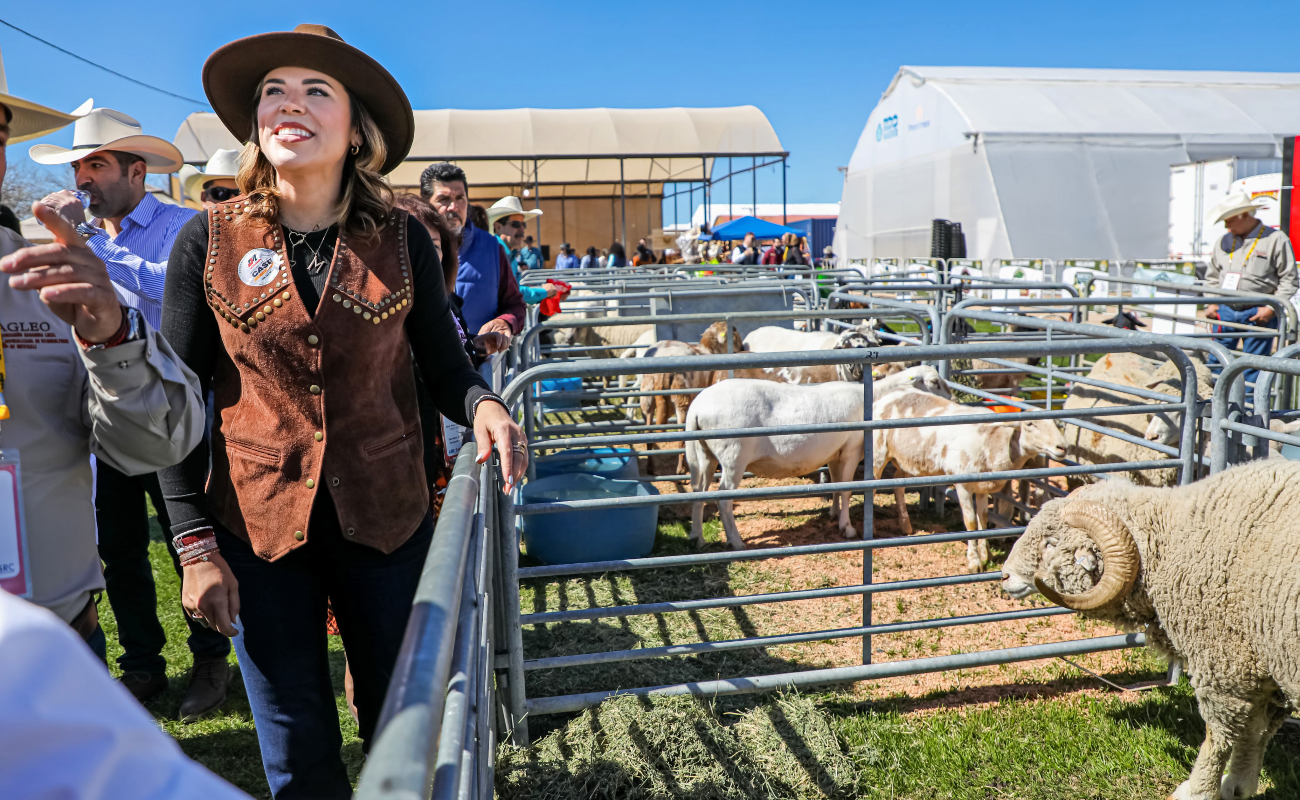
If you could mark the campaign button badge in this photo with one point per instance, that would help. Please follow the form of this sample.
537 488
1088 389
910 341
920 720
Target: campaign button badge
259 266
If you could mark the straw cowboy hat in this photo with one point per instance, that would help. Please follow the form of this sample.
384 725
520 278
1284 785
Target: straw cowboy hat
509 207
105 129
1232 205
28 120
223 164
233 73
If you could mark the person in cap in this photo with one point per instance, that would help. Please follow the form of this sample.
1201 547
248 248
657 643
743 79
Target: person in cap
490 296
133 233
81 375
304 304
566 259
509 220
216 183
533 258
1249 257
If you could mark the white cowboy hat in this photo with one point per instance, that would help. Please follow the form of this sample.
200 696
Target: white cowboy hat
1232 205
509 207
29 120
106 129
223 164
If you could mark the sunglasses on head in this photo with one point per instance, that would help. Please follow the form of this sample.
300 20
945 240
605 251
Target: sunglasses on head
221 194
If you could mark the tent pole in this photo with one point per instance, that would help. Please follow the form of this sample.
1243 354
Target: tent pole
753 180
537 203
622 202
731 197
784 220
649 215
704 190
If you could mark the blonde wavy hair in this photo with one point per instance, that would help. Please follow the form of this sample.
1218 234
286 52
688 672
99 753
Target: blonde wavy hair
365 198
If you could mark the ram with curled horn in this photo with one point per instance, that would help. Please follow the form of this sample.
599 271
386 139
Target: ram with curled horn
1210 572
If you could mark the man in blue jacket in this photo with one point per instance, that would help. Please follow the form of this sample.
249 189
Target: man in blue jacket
489 294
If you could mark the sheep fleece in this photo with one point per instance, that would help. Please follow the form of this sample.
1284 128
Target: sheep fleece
1219 584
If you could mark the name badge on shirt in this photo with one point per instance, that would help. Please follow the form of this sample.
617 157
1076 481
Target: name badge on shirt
15 574
259 266
453 439
1231 280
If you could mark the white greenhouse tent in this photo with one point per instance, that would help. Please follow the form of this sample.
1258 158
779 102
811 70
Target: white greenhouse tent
1048 163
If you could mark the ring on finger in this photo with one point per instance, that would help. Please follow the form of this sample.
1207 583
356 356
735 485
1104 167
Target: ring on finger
520 447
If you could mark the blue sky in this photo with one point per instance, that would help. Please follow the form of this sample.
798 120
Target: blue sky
816 69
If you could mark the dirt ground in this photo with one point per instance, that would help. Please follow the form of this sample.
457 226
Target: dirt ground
776 523
800 521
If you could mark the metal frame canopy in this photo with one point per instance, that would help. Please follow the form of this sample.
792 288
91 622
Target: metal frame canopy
1038 162
596 148
561 155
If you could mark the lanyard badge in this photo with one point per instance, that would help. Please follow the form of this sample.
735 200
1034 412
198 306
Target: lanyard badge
4 409
15 574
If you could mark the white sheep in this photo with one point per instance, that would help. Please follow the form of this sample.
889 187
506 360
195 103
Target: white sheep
1210 572
774 339
747 403
1129 369
986 446
859 337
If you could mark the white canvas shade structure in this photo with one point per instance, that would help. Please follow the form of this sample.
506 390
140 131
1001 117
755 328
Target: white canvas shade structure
598 174
1047 163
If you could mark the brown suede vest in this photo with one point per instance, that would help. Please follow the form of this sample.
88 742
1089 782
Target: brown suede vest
307 404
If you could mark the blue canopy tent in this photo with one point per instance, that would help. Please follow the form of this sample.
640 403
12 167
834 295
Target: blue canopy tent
761 228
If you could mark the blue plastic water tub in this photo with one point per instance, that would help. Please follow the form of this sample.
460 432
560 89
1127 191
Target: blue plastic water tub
552 386
605 534
605 462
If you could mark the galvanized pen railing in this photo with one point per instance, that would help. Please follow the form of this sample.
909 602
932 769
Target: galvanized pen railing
436 734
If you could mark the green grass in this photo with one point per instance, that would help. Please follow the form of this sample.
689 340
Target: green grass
1079 747
829 744
224 741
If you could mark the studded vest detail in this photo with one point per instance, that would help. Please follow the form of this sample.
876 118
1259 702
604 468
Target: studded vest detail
312 403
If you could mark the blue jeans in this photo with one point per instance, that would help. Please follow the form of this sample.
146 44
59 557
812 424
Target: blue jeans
283 652
1251 345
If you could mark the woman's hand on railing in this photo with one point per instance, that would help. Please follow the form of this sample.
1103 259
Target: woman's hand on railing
493 426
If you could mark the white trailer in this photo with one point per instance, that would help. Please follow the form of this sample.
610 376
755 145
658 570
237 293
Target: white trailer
1196 188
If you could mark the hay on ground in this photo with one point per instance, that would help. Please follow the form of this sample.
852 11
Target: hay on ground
678 747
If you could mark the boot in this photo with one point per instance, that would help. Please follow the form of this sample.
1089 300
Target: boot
208 682
144 686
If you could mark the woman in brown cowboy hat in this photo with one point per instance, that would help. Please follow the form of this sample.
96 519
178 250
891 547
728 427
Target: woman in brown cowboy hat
302 304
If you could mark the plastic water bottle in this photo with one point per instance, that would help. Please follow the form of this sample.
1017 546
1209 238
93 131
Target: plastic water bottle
84 197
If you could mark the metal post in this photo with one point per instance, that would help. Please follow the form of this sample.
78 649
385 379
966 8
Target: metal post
622 202
753 183
868 504
505 523
704 191
537 204
784 220
731 195
649 217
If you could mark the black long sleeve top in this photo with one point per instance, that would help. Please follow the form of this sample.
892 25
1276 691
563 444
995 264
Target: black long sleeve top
191 328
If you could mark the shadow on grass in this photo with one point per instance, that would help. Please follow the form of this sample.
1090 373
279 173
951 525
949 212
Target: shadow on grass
642 631
1175 711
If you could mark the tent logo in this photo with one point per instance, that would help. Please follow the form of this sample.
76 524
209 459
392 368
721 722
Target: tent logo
888 128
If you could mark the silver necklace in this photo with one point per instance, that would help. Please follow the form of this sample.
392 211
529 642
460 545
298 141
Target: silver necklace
316 264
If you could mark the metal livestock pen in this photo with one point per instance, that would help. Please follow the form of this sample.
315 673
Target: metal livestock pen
461 683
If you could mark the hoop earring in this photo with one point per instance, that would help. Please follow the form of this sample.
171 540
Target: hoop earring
356 148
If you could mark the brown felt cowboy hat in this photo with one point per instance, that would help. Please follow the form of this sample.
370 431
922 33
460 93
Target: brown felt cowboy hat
232 74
